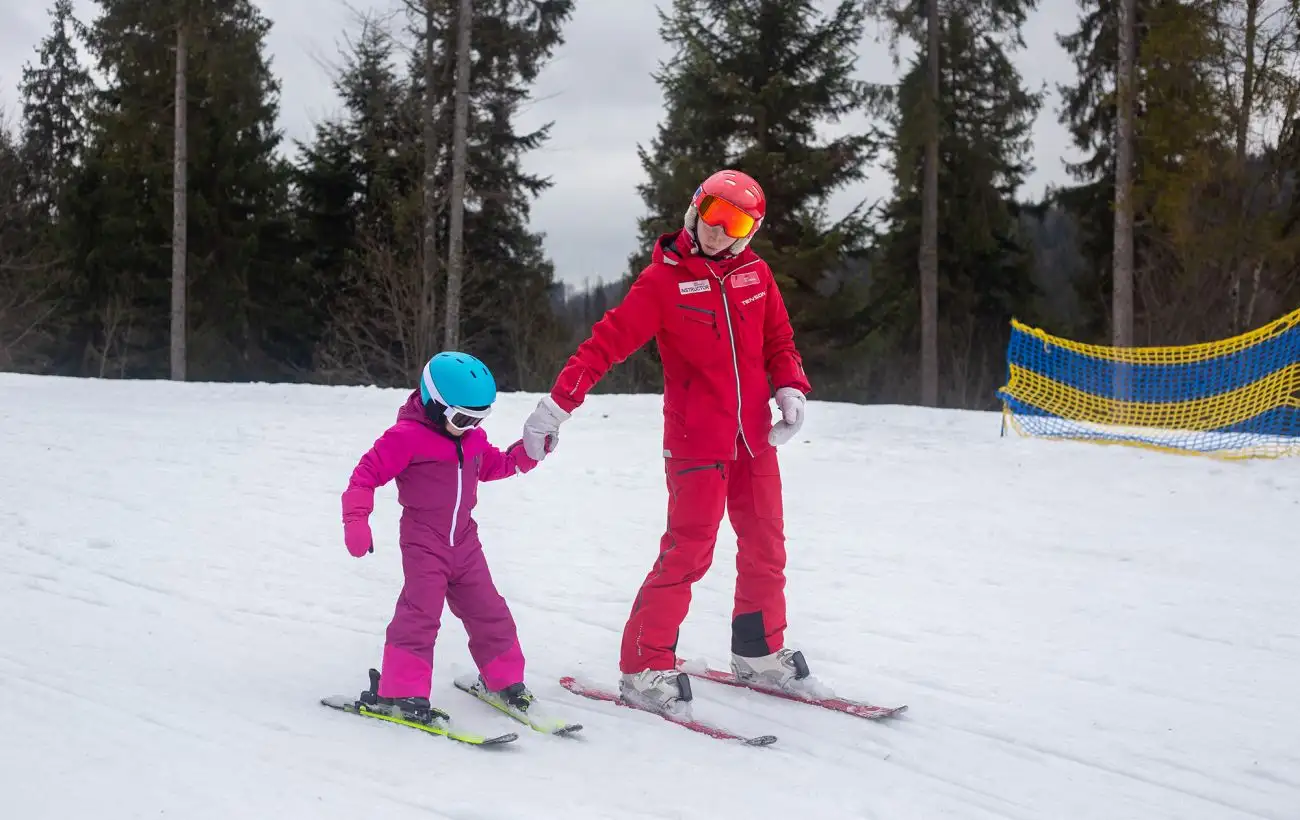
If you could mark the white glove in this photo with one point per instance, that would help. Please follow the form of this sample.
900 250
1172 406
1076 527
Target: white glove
792 403
542 429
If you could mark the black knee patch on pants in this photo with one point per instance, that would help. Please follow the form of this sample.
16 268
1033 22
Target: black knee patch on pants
749 636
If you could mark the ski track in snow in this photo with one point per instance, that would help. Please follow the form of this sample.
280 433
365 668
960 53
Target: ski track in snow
1081 632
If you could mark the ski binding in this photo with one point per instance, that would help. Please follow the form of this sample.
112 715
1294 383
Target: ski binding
473 685
602 694
438 726
867 711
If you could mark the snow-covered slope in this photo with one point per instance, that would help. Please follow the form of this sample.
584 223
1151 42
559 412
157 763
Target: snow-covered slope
1080 631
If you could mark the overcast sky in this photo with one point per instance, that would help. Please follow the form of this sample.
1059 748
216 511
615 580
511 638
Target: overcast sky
598 91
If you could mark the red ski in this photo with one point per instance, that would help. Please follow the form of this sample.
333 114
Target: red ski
869 711
597 693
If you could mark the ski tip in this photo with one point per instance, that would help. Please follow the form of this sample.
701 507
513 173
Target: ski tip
880 712
508 737
475 739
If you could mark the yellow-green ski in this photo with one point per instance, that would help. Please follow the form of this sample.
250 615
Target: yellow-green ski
353 706
471 684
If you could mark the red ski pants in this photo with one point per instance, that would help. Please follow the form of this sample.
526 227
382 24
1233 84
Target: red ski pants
749 489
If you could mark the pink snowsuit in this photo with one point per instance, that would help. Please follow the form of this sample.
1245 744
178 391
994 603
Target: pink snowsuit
442 559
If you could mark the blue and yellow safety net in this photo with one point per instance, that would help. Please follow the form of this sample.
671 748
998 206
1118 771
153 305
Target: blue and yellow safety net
1232 398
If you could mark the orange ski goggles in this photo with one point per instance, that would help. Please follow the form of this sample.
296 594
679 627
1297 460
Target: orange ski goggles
719 212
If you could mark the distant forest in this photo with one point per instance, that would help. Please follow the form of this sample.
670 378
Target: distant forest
402 225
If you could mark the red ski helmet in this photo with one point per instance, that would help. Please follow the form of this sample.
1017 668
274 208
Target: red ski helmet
733 200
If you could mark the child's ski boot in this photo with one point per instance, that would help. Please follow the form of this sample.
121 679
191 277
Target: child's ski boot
517 701
414 709
516 696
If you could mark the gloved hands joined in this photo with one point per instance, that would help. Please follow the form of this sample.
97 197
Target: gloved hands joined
542 429
792 404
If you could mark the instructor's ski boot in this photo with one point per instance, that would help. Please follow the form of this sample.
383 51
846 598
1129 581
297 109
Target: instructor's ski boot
782 671
665 691
413 709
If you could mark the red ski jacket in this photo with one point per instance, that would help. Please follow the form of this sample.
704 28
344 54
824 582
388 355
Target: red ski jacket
723 331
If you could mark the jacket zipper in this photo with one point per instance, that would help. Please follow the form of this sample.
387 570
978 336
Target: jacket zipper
735 364
455 511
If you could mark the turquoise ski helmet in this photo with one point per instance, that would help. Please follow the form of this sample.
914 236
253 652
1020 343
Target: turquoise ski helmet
457 382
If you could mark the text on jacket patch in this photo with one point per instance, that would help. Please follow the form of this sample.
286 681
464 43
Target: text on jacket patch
745 280
698 286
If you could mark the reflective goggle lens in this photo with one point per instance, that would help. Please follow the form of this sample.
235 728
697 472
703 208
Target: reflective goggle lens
463 418
736 223
463 422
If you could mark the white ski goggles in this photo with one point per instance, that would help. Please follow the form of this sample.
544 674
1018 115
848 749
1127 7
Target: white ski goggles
463 418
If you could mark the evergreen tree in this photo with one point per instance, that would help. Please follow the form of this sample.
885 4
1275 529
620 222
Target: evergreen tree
922 22
1181 134
510 281
749 85
55 94
506 313
241 304
28 280
328 204
985 262
38 179
358 204
239 202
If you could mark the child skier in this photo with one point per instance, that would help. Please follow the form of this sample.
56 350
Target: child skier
438 453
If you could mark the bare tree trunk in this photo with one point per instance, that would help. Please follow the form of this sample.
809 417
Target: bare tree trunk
456 242
1122 286
929 256
1254 295
426 331
1122 261
179 217
1245 107
1247 102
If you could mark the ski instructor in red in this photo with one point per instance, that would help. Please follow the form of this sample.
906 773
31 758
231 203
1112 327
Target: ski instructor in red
726 343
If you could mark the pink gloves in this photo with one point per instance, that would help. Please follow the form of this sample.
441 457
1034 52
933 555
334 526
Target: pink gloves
356 535
357 504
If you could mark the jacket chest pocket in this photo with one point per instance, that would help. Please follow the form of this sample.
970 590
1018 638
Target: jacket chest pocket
701 331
